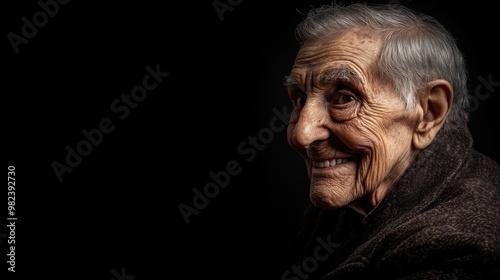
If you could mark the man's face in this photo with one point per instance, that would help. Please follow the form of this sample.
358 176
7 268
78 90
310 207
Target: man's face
356 128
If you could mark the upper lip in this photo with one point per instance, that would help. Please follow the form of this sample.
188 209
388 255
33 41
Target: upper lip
324 156
315 155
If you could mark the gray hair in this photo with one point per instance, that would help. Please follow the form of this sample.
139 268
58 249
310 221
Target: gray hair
416 49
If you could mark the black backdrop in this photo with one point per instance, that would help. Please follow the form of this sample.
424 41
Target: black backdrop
116 215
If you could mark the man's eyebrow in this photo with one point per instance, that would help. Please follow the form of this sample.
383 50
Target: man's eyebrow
288 82
343 73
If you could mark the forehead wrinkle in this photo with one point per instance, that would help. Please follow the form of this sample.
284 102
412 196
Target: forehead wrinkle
311 81
305 82
318 75
308 65
314 70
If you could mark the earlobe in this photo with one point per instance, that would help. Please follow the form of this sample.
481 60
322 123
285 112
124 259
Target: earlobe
435 103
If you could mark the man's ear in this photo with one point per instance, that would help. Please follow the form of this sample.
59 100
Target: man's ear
435 103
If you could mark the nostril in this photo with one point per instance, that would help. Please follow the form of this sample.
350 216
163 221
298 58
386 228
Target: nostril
311 145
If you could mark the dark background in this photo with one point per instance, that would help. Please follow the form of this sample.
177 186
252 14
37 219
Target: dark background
119 207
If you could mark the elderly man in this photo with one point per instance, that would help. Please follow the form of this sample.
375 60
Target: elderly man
397 191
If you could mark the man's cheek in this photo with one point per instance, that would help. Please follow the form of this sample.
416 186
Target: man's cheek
362 134
372 168
355 139
368 145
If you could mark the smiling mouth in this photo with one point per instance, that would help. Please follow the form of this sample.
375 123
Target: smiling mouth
330 162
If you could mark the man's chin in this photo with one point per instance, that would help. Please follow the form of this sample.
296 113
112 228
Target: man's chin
326 202
331 194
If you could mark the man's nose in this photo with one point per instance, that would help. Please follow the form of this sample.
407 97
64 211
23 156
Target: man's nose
312 124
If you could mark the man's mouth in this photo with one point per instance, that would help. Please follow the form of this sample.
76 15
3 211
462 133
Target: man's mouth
330 162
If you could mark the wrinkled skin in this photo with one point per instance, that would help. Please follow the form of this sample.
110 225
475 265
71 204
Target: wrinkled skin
343 111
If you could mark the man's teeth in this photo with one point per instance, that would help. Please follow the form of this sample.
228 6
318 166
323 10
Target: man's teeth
328 163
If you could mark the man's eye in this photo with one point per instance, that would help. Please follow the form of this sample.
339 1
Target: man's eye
300 101
343 99
343 94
